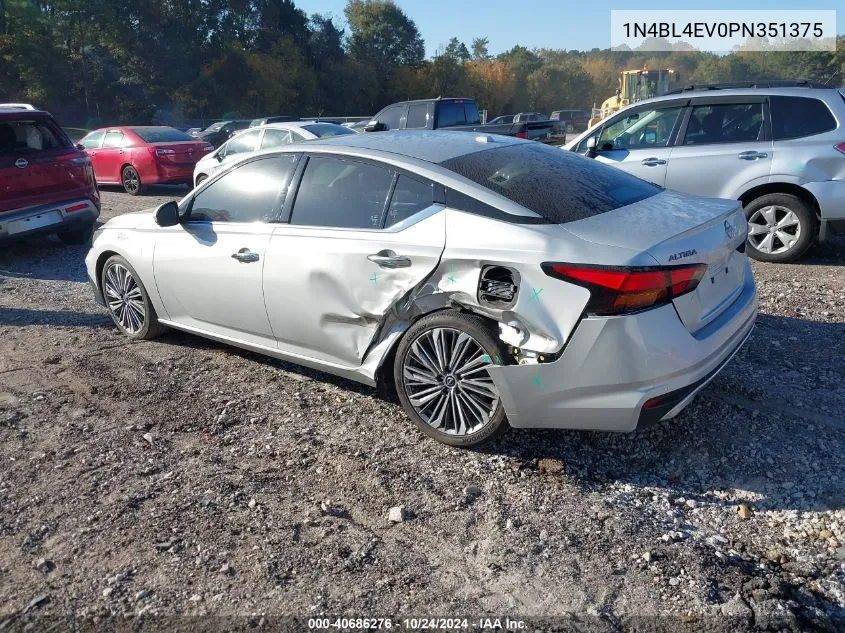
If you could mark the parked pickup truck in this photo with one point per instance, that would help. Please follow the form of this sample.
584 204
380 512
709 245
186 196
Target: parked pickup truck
452 114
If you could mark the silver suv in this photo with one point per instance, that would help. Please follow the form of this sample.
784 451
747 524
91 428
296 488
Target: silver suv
777 147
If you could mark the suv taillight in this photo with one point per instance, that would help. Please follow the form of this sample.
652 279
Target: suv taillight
840 147
620 290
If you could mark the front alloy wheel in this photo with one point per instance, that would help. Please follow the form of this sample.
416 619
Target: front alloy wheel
127 300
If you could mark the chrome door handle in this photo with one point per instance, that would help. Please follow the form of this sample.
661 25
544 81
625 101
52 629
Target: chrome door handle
751 155
389 259
245 256
653 162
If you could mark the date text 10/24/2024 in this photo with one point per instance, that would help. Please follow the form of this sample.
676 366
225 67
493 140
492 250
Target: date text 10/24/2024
416 624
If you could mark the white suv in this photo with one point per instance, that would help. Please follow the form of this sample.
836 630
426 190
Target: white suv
778 147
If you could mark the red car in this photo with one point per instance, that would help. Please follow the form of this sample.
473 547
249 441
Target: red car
137 156
46 184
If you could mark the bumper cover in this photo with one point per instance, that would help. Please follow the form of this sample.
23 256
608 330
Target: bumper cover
48 218
612 365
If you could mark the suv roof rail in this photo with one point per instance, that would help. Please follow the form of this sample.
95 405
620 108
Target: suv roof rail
17 106
769 83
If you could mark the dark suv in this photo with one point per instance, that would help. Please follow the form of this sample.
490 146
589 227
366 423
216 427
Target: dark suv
46 184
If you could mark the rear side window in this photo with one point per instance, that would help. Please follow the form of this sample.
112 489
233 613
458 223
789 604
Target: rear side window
417 116
27 136
409 197
341 193
794 117
724 123
560 186
113 139
457 113
249 193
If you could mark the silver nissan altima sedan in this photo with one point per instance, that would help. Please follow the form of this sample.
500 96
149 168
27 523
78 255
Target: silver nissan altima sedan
490 281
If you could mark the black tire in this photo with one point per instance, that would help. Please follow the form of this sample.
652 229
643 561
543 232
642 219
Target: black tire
131 181
807 228
484 337
200 179
77 237
150 327
570 129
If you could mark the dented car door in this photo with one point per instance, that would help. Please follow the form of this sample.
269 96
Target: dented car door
360 238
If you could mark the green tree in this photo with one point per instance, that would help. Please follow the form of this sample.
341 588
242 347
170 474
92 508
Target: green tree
480 48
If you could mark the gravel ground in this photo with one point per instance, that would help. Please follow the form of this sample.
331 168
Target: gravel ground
181 477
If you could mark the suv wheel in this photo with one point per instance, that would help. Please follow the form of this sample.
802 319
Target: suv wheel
131 181
781 227
441 378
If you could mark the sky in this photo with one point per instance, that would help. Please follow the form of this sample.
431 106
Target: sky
566 24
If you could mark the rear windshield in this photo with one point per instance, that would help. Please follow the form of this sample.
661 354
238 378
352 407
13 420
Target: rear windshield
161 135
327 129
561 186
20 136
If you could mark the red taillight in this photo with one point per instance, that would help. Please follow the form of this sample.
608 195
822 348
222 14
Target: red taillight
840 147
165 152
619 290
76 207
521 134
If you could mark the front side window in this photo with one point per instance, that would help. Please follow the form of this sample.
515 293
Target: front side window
640 130
390 117
794 117
275 138
249 193
559 186
113 139
92 141
409 197
724 123
242 143
341 193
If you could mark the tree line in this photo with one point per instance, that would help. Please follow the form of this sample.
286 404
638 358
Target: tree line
95 62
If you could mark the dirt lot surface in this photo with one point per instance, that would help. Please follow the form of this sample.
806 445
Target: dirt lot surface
181 477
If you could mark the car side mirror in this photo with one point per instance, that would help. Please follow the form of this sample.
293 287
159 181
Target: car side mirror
592 147
220 156
79 146
375 126
167 214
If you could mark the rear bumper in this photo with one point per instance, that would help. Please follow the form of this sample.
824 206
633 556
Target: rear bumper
613 365
48 218
177 173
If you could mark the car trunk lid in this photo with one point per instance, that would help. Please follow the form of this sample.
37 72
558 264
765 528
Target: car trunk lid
675 229
180 152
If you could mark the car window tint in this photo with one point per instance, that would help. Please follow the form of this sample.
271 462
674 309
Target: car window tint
242 143
560 186
341 193
391 116
794 117
24 136
275 138
640 130
113 139
724 123
417 116
409 197
457 113
92 140
248 193
161 134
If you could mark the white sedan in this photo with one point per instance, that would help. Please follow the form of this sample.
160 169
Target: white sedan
263 137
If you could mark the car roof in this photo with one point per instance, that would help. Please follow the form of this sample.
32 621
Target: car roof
295 124
427 145
791 91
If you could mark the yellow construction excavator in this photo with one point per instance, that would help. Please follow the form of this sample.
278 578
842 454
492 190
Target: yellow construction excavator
636 85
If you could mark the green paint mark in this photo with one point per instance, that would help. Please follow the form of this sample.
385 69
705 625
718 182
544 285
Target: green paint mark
537 380
451 278
486 358
536 293
374 278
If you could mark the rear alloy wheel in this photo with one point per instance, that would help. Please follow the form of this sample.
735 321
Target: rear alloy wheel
442 380
127 300
131 181
781 227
